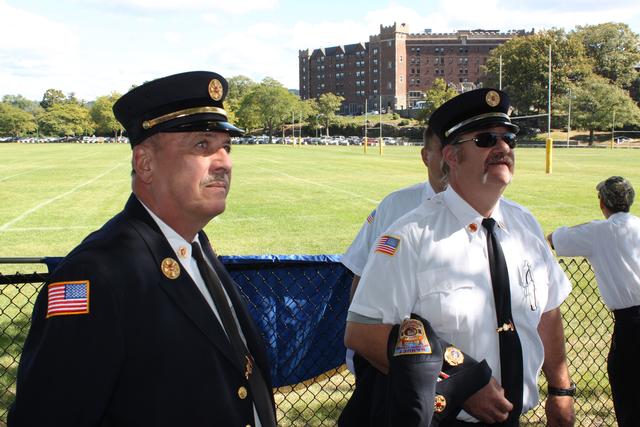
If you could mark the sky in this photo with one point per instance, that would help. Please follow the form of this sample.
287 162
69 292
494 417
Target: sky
95 47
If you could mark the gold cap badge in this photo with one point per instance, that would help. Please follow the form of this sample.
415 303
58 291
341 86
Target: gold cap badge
439 403
170 268
453 356
216 90
492 98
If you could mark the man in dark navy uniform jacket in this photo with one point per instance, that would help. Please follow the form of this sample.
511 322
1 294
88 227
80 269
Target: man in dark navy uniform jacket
131 329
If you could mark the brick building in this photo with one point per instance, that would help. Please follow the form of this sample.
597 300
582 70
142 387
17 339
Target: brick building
396 66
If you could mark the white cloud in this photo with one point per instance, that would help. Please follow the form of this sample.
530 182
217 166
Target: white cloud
33 48
226 6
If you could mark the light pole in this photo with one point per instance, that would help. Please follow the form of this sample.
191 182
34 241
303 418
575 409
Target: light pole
569 121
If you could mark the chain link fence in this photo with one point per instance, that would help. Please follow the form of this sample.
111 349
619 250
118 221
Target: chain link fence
307 295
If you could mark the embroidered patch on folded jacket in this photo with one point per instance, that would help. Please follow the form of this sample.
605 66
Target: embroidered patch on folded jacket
412 339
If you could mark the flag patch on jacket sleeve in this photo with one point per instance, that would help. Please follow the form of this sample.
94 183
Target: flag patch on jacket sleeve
371 216
65 298
388 244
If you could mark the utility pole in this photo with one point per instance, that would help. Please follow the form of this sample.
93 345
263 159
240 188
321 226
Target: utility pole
569 121
500 74
380 123
366 124
549 145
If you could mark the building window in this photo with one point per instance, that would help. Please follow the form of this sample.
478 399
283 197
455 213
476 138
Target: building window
389 43
400 58
401 79
389 65
389 85
375 51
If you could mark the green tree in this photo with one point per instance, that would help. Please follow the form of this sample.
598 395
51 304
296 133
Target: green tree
23 103
310 113
595 102
102 114
328 104
52 97
239 86
66 120
614 49
269 104
439 93
525 63
15 121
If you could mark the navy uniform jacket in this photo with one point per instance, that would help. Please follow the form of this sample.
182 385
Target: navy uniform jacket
150 352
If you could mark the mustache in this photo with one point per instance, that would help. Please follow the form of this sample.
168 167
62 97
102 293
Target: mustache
500 158
221 177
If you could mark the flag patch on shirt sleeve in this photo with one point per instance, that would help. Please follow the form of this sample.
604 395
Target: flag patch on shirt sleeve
65 298
388 244
371 216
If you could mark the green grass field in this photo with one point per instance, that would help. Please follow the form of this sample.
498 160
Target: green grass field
283 200
286 200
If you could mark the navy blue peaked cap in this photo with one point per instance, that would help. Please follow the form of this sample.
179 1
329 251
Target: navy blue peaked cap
470 111
186 102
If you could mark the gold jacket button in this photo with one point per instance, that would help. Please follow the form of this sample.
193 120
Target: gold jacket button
242 392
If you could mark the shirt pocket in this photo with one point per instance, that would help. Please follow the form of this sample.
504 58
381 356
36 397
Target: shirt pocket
534 287
450 301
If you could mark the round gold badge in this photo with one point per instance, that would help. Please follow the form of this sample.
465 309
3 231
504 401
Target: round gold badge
216 90
492 98
439 403
170 268
453 356
242 393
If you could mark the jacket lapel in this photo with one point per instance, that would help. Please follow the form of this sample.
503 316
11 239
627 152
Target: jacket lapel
182 290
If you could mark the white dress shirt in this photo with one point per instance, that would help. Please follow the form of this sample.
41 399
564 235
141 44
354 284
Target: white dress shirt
440 271
183 250
612 246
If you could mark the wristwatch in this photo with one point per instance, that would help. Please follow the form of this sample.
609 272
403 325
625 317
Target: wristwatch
555 391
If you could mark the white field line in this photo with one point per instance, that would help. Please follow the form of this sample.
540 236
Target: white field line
42 167
25 172
340 190
46 202
65 228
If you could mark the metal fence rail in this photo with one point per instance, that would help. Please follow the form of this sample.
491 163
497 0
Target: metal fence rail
318 401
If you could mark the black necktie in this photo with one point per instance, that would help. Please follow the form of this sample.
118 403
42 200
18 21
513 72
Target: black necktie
510 347
259 390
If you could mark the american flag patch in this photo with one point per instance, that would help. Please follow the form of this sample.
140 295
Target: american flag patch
66 298
388 244
371 216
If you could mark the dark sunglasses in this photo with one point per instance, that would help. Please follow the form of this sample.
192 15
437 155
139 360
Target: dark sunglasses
489 139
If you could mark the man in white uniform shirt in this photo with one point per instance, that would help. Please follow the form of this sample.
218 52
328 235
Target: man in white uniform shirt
612 246
394 205
438 262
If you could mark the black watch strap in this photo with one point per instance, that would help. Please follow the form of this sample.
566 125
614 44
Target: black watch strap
555 391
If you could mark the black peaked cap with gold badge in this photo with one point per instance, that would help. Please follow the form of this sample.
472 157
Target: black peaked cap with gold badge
469 111
185 102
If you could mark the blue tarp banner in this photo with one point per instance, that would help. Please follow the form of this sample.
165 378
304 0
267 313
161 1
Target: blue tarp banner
300 303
